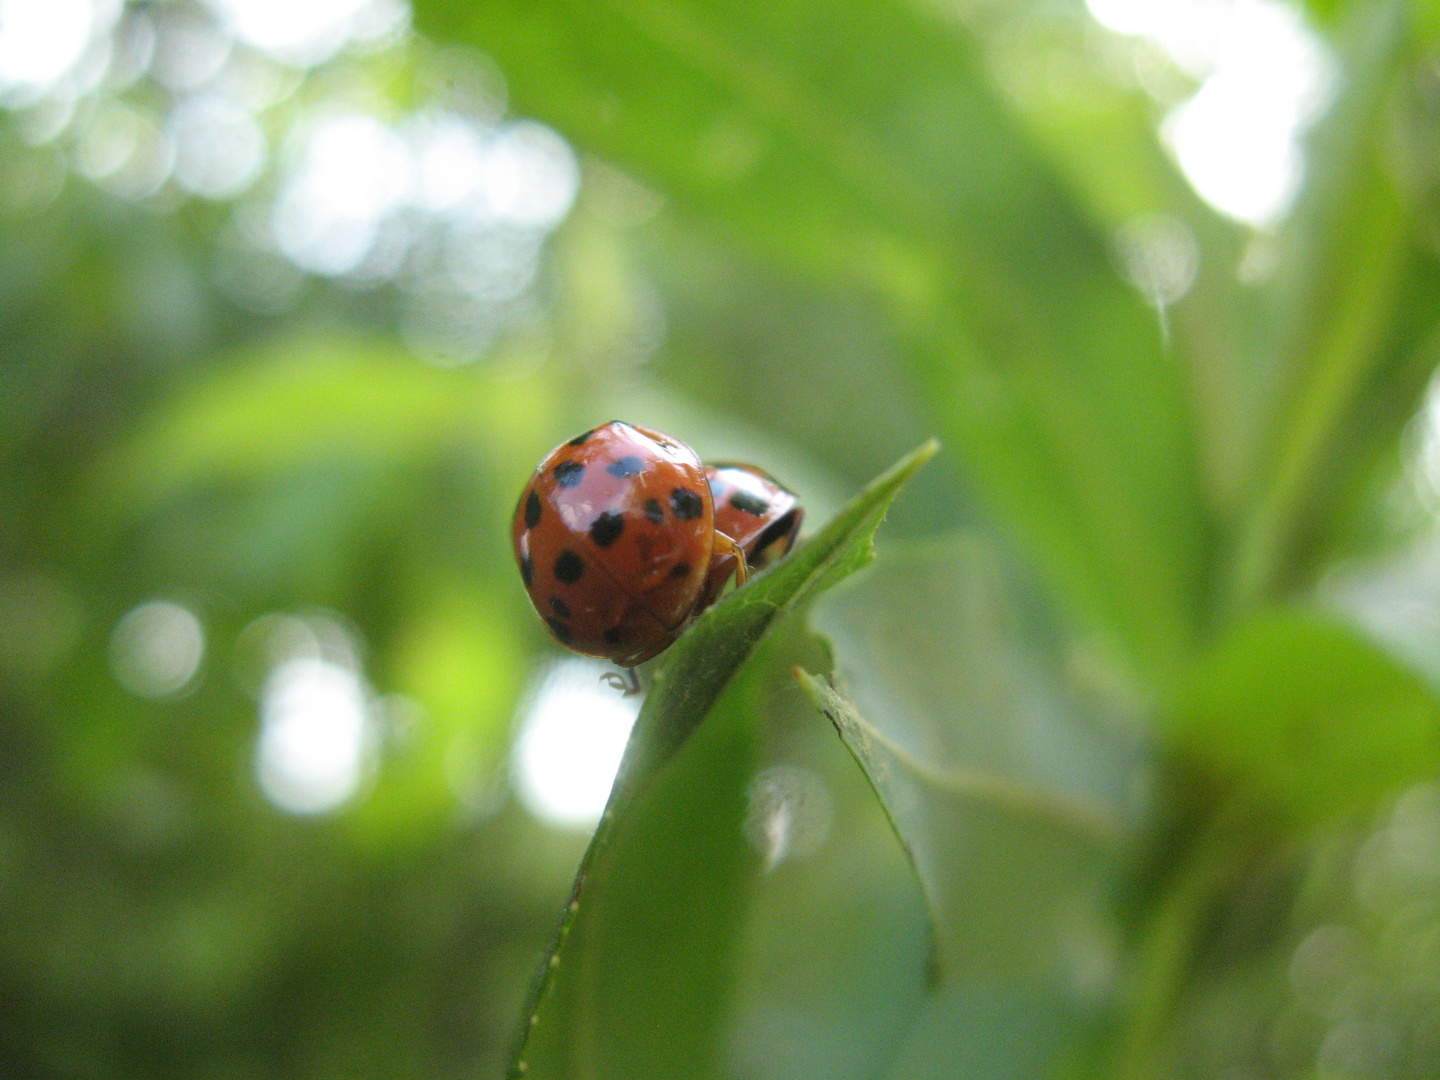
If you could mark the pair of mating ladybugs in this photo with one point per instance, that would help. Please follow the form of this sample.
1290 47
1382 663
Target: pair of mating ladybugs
623 536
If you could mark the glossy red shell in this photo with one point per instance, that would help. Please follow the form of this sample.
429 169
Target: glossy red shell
754 510
614 536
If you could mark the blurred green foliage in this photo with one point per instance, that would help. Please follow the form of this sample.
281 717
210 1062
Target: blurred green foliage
1131 761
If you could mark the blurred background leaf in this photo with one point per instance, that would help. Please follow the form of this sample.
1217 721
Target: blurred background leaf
1316 717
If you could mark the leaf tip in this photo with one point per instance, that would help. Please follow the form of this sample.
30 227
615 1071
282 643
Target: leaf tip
808 683
818 691
920 455
899 473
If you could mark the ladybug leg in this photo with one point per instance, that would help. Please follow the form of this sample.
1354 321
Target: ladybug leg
628 683
742 569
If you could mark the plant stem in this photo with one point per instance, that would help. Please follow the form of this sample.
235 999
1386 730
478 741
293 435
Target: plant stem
1215 858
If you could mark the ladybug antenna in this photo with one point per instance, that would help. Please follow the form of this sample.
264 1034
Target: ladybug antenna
627 683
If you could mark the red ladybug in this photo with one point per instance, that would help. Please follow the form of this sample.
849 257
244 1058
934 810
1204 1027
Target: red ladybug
621 543
752 509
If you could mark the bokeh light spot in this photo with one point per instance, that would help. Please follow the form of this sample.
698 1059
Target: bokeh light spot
1266 77
530 177
1159 256
570 744
353 171
306 33
40 42
314 735
124 151
189 49
789 815
156 649
219 147
449 161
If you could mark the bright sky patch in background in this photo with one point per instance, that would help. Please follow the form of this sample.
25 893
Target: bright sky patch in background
1264 79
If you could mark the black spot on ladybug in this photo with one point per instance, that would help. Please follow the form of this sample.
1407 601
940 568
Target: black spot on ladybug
687 505
561 607
532 510
654 511
527 570
560 630
568 473
607 528
629 465
579 440
614 635
680 570
748 503
569 567
776 530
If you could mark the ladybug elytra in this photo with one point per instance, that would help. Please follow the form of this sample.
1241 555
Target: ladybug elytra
623 536
752 509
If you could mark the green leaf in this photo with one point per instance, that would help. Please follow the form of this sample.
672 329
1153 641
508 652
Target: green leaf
970 832
1310 717
310 399
1003 1031
1003 793
1348 259
991 776
866 153
636 982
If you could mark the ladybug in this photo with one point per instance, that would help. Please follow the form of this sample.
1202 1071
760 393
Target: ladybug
754 510
623 536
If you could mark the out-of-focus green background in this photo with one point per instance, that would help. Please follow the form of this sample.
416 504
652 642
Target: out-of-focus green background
294 296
